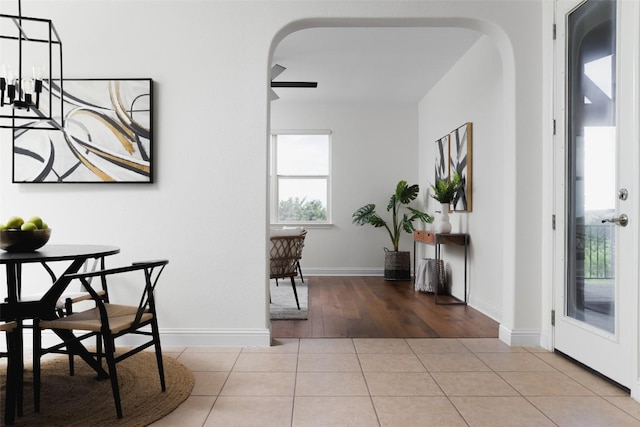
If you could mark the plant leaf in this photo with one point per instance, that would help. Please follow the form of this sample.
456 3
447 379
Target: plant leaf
392 203
407 225
406 194
422 216
362 216
376 221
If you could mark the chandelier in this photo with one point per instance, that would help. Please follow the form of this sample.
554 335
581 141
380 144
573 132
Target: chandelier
30 51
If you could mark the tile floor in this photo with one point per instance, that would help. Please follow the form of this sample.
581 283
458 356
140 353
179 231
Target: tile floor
394 382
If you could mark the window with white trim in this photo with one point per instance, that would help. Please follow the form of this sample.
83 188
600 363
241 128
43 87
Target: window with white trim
300 177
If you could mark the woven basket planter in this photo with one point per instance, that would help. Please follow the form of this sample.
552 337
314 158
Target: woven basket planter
397 265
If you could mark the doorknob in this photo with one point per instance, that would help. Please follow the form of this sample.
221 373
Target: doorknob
622 220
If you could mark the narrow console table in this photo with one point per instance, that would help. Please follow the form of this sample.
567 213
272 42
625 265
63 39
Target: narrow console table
437 239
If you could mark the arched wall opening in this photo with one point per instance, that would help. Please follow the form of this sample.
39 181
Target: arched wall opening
507 156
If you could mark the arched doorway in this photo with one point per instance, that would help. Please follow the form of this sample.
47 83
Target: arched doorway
346 231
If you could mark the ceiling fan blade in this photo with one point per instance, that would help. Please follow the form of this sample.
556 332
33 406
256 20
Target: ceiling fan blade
276 70
294 84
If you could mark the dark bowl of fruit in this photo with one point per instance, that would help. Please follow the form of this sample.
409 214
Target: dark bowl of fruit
19 236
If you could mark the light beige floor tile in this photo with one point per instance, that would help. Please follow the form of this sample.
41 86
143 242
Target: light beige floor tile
416 411
326 345
381 345
171 354
278 345
208 383
266 362
331 388
500 411
191 413
259 384
627 404
402 384
328 363
536 349
488 345
213 349
391 363
596 384
250 411
170 349
208 361
437 345
559 362
473 384
545 384
514 362
334 411
582 411
440 362
331 384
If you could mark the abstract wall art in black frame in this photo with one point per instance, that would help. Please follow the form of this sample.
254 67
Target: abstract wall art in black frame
107 135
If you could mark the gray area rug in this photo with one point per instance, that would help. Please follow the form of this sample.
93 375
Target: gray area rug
283 303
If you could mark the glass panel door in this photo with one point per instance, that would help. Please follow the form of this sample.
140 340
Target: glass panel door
591 134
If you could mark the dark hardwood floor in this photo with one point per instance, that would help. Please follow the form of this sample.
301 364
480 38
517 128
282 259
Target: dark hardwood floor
371 307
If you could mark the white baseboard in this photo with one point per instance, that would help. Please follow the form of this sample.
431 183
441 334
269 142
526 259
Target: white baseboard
522 337
186 337
486 309
323 271
546 339
216 337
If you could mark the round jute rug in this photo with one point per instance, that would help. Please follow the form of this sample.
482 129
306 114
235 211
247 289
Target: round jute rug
81 400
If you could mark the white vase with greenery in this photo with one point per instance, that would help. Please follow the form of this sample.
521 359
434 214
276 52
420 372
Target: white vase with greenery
443 225
446 192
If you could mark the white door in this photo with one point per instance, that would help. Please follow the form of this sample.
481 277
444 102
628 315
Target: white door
596 156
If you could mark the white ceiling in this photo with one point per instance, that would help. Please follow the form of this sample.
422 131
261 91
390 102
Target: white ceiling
396 65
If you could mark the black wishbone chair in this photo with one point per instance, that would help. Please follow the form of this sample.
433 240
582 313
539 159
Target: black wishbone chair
108 321
13 388
66 302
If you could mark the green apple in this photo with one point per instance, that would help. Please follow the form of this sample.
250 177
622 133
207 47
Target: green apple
44 225
15 222
27 226
3 227
37 221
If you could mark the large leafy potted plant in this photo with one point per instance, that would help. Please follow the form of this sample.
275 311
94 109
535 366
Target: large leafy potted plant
397 265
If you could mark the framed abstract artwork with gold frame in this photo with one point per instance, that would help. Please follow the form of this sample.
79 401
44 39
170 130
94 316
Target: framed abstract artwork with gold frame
107 135
460 150
454 154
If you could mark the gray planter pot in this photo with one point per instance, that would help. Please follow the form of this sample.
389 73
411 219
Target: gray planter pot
397 265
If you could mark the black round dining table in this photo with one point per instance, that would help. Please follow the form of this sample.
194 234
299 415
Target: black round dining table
13 309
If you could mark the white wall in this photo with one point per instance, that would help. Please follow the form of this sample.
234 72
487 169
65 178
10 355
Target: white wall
373 147
207 210
472 92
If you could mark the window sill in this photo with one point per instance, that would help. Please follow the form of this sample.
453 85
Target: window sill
306 225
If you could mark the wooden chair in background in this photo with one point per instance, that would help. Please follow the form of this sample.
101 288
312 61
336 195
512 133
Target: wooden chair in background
284 256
